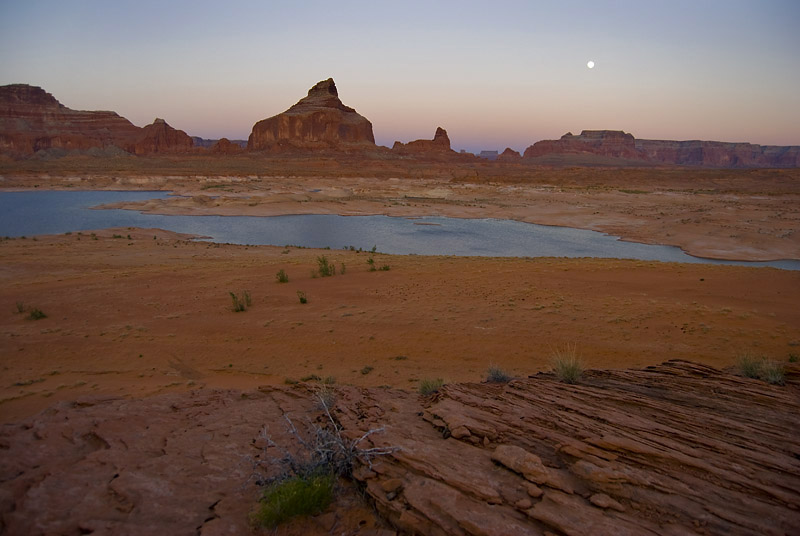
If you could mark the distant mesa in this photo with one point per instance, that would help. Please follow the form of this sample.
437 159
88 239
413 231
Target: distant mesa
615 144
318 121
208 144
438 146
509 155
32 120
226 146
488 155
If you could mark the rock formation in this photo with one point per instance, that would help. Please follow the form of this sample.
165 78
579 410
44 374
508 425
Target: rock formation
679 448
509 155
32 120
226 146
318 121
438 146
618 144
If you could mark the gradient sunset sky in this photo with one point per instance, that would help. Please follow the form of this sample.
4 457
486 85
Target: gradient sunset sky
494 74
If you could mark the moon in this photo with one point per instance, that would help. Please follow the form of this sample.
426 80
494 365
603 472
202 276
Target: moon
590 64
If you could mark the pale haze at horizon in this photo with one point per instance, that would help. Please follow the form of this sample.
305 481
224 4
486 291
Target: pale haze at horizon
494 75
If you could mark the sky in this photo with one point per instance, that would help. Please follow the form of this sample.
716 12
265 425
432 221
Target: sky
493 74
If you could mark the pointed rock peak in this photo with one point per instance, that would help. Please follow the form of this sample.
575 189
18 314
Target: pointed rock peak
159 121
325 87
441 136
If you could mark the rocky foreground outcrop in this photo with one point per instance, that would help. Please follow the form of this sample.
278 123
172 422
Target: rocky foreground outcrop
676 449
32 120
618 144
318 121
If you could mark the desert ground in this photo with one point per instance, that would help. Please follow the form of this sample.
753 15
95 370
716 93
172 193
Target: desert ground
131 313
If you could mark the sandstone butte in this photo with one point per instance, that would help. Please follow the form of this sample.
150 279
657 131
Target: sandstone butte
675 449
616 144
318 121
439 146
33 120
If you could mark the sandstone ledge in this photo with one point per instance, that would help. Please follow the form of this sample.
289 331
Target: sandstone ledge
676 449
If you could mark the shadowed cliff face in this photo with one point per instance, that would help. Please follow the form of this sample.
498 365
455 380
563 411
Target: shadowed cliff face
32 120
618 144
318 121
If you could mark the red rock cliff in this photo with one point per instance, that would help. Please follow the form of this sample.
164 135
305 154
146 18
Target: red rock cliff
618 144
318 121
439 145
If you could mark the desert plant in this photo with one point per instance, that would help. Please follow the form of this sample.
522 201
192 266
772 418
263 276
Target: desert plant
566 364
367 369
302 296
342 269
293 497
36 314
385 268
281 276
793 358
772 372
497 375
241 303
428 386
324 267
20 307
749 365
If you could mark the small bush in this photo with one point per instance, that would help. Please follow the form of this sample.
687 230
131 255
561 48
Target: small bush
385 268
567 365
772 372
325 268
281 276
366 370
20 307
428 386
294 497
36 314
497 375
241 303
793 358
302 296
749 366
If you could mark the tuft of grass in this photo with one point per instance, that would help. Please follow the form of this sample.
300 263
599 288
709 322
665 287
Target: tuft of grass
324 267
749 365
367 369
294 497
793 358
567 365
281 276
36 314
428 386
772 372
241 302
497 375
302 296
20 307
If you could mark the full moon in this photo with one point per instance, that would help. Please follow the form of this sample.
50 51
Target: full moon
590 64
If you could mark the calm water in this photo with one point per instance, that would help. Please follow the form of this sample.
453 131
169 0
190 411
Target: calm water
53 212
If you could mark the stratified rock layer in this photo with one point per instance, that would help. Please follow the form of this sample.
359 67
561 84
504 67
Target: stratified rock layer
318 121
676 449
618 144
33 120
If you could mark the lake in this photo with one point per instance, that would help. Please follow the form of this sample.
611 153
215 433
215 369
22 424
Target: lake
32 213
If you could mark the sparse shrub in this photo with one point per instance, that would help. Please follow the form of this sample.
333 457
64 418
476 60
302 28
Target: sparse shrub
385 268
310 378
428 386
793 358
20 307
281 276
290 381
36 314
497 375
241 303
567 365
302 296
772 372
326 396
749 365
342 269
324 267
293 497
366 370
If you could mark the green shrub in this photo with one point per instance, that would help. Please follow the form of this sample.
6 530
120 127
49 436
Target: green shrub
497 375
749 365
281 276
772 372
566 364
241 303
428 386
366 370
302 296
293 497
36 314
325 268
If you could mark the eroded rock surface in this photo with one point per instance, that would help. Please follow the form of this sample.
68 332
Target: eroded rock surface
438 146
318 121
676 449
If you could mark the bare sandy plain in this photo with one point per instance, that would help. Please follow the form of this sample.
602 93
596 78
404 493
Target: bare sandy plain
132 313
